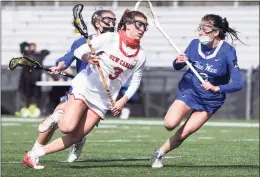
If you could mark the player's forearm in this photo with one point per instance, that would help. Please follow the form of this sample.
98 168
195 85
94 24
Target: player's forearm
124 99
232 87
133 87
67 59
62 65
235 85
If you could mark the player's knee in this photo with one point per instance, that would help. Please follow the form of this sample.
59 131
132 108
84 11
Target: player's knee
170 126
66 129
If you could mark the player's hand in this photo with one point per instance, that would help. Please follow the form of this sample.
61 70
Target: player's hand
117 108
93 59
209 87
55 70
181 58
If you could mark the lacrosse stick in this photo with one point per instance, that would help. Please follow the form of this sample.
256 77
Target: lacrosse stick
147 8
80 25
31 64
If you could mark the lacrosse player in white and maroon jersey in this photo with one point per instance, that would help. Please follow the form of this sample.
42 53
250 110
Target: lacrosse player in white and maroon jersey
120 57
103 21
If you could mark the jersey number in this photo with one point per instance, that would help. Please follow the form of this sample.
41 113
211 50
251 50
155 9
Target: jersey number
118 71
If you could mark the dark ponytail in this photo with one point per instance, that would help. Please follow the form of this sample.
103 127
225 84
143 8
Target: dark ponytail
223 26
122 22
127 17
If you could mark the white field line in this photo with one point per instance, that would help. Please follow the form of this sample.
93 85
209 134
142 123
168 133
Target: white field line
250 140
206 138
11 124
142 122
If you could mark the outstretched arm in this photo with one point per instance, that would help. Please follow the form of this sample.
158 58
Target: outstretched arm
69 57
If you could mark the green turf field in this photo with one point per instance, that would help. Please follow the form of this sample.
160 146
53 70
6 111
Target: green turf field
114 150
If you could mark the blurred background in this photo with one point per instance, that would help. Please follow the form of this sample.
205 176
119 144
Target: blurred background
43 30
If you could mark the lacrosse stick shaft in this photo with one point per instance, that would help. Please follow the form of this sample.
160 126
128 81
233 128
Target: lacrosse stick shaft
61 73
101 74
179 52
167 37
80 25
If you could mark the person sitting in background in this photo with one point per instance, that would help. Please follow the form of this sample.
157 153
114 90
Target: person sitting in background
30 93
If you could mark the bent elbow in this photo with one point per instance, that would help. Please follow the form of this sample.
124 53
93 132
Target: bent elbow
239 86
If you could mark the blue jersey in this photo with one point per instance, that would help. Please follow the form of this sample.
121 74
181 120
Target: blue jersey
69 57
216 65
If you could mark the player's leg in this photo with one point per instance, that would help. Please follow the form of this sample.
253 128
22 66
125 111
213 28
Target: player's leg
51 121
44 137
175 114
76 148
72 117
195 121
83 128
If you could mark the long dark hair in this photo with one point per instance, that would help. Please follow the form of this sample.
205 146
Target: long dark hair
99 13
223 26
127 17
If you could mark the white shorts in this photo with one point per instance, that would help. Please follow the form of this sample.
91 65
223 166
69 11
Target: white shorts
98 111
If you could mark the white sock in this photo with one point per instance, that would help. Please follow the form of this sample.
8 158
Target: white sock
37 145
38 152
60 111
161 153
56 114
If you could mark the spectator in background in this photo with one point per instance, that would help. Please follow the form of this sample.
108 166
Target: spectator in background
30 93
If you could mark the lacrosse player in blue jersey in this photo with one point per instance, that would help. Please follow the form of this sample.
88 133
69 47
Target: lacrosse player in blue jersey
103 21
216 61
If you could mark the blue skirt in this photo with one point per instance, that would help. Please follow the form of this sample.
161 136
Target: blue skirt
195 102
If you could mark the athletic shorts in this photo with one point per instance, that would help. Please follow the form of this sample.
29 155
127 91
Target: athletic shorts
196 103
98 111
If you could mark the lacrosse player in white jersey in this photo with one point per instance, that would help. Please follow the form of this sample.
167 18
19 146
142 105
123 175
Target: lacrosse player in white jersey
120 57
103 21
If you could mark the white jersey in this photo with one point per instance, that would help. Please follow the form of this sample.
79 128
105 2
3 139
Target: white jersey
116 66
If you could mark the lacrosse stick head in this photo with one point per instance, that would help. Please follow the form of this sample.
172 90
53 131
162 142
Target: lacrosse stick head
78 21
24 61
145 6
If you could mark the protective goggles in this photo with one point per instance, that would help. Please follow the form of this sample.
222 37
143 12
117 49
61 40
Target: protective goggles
106 20
139 25
207 28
